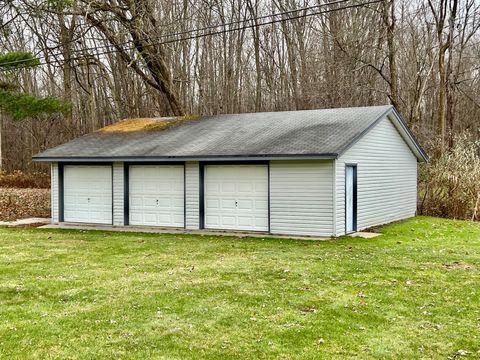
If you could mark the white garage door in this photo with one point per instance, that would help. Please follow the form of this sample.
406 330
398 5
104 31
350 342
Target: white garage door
87 194
156 195
236 197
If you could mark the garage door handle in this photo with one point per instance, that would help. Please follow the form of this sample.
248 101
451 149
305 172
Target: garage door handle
236 203
88 199
157 202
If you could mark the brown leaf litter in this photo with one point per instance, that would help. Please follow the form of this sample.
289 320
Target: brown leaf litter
24 203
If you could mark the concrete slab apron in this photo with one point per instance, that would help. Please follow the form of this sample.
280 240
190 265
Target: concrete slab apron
158 230
364 234
29 222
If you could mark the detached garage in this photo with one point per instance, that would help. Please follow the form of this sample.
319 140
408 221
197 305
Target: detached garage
314 172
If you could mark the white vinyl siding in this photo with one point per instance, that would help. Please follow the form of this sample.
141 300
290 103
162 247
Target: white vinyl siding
192 195
386 178
118 194
301 197
54 193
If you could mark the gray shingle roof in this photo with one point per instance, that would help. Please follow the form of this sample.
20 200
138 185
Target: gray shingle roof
321 133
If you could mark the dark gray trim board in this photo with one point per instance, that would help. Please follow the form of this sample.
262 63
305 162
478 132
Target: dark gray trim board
201 193
86 163
354 195
268 199
61 191
245 162
126 194
113 196
151 162
144 159
184 195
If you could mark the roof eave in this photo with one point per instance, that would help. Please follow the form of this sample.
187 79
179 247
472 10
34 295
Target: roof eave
422 156
93 159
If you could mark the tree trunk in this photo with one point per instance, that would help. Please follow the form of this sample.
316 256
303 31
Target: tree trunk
442 97
256 46
66 35
390 22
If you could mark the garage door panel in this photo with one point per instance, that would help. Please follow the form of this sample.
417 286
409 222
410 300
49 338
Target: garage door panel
236 197
70 198
245 221
178 219
99 200
246 187
178 186
228 220
135 217
213 204
245 204
228 204
212 186
100 216
213 220
165 187
228 187
261 222
178 203
147 188
161 190
167 218
136 201
149 204
261 205
164 203
71 214
88 194
260 187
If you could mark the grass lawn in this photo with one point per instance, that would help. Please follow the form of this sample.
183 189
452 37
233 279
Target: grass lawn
413 292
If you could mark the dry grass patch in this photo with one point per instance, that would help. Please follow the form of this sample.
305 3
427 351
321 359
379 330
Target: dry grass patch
19 179
457 265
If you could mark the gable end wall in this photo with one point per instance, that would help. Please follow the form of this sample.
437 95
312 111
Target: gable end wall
386 178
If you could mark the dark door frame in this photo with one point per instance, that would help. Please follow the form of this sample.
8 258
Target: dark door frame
354 195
